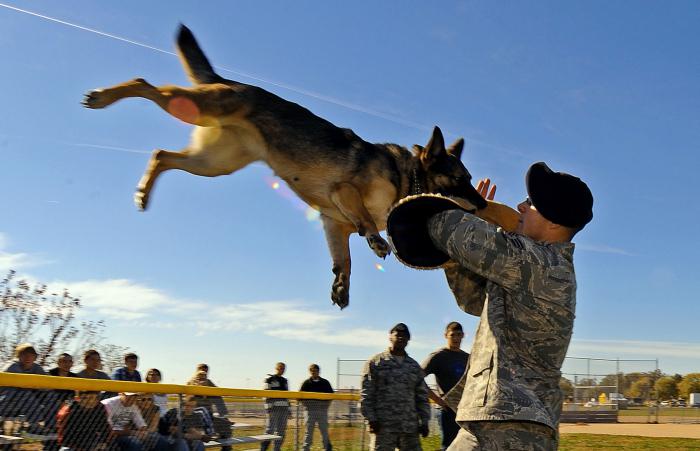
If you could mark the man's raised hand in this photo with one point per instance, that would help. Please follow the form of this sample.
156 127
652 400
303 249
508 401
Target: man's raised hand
483 188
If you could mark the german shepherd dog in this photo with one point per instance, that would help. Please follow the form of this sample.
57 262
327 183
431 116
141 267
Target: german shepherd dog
351 182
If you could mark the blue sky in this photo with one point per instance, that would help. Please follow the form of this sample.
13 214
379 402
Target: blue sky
230 271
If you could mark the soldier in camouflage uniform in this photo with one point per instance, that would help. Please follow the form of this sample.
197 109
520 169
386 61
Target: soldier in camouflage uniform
394 397
523 287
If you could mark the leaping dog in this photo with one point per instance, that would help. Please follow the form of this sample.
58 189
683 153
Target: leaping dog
351 182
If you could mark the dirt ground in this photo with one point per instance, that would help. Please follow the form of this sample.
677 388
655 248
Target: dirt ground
643 430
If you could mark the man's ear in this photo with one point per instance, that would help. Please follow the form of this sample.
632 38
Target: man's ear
435 149
456 148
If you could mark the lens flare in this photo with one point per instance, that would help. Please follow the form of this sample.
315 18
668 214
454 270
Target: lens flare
379 267
311 214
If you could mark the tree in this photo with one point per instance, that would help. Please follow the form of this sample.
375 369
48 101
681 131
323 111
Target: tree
567 387
586 389
666 388
689 384
641 388
33 314
608 383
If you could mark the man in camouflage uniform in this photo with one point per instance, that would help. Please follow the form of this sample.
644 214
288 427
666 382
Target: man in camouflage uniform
523 287
394 397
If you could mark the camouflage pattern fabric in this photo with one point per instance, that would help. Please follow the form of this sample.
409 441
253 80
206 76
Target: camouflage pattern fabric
394 393
524 292
505 435
390 441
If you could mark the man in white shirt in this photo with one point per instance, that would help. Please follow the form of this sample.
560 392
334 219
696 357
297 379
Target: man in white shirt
126 421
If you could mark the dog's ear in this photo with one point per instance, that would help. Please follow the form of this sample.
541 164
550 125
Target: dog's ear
456 148
417 150
435 149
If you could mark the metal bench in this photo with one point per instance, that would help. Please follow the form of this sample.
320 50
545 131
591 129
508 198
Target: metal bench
241 440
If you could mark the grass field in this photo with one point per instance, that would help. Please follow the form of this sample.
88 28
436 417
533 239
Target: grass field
575 442
568 442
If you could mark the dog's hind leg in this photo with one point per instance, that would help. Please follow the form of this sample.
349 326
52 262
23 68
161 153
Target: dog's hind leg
337 235
192 105
349 201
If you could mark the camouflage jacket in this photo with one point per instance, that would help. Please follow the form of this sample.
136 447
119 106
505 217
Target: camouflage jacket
394 393
525 293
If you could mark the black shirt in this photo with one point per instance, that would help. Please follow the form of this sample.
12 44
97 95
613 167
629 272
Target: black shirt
319 386
84 429
447 366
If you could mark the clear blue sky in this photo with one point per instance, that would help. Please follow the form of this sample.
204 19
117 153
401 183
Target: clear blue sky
230 271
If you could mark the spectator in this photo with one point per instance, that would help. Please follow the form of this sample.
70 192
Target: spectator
151 439
63 366
26 361
93 363
201 377
149 411
197 427
19 401
277 409
222 425
128 372
154 376
394 396
59 397
83 425
316 409
122 414
448 365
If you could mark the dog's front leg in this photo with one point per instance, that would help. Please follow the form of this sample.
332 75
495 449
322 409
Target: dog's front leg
349 201
337 235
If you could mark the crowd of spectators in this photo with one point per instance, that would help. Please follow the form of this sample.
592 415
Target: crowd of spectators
93 420
131 421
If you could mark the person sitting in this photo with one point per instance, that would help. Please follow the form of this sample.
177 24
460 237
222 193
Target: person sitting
122 414
63 369
201 377
58 397
83 425
22 401
222 425
197 426
154 376
151 439
128 372
93 363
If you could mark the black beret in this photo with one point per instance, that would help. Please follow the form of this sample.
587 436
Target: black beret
400 327
561 198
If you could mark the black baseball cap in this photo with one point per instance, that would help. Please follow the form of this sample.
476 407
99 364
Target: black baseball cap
559 197
401 327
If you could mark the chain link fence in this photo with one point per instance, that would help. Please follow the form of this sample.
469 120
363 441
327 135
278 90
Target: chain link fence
54 413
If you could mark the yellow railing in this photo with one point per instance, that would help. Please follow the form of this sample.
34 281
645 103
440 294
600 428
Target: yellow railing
75 383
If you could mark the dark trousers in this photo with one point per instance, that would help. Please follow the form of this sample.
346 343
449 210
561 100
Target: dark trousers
449 427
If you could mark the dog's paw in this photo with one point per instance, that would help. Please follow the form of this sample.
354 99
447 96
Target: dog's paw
141 200
340 294
95 99
379 245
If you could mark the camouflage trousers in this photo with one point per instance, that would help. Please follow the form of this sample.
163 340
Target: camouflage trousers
391 440
505 435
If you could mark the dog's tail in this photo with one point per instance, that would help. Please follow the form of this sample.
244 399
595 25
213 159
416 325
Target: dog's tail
197 66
